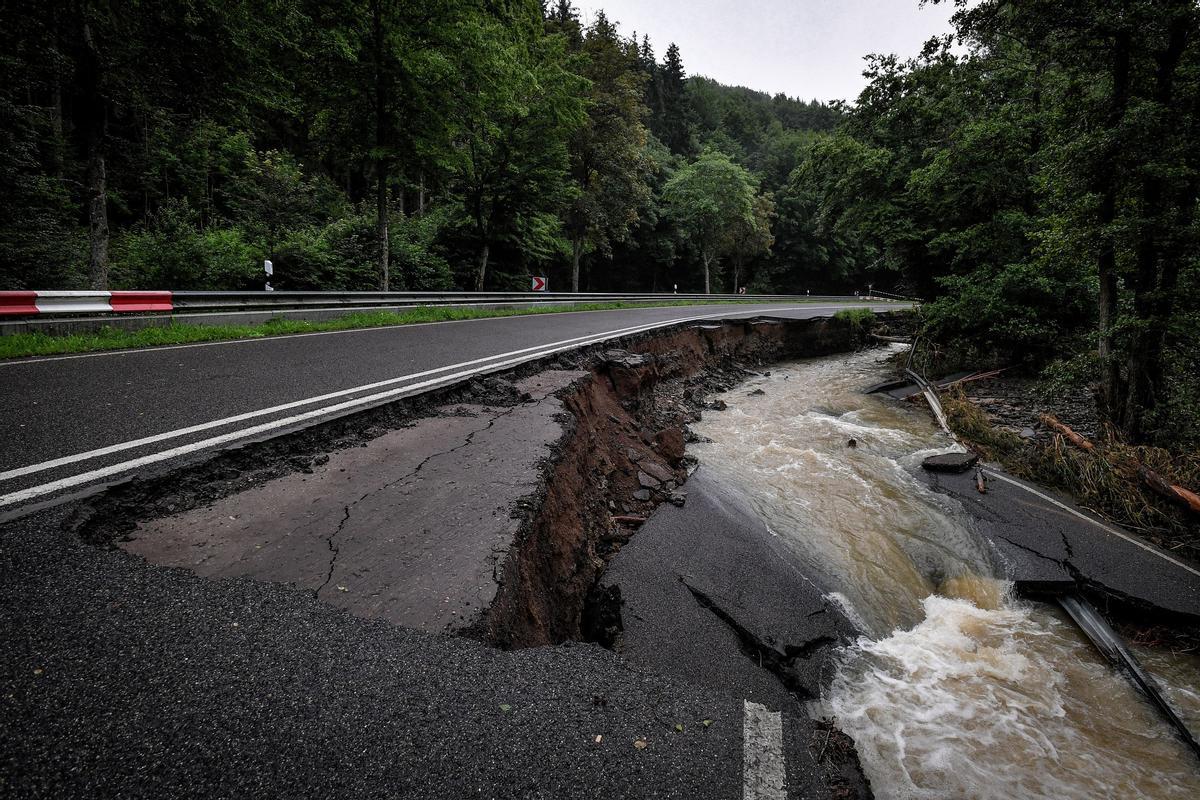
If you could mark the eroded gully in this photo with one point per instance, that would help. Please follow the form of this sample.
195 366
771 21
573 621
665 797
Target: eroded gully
956 688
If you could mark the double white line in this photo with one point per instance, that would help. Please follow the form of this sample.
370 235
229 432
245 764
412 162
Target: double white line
446 375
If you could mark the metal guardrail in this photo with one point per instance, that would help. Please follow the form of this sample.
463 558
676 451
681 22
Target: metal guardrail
65 304
205 301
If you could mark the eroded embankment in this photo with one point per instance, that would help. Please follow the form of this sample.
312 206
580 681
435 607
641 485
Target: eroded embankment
622 455
487 509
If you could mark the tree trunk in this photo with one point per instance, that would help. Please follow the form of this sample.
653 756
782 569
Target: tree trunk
1157 272
97 178
576 256
707 261
381 132
737 274
381 230
1106 261
421 196
482 265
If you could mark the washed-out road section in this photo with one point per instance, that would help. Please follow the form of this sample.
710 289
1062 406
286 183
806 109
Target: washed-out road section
76 420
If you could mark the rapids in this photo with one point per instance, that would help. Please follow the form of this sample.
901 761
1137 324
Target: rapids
955 689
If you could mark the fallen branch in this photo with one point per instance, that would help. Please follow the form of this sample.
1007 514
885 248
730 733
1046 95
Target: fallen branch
893 339
1180 495
629 520
978 376
1074 438
1149 477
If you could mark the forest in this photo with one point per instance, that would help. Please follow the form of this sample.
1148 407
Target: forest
1032 176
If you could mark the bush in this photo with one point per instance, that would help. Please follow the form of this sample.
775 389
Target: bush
337 257
416 262
172 253
859 318
1019 312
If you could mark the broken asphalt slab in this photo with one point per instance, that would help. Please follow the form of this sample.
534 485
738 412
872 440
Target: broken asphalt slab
1048 542
412 527
710 596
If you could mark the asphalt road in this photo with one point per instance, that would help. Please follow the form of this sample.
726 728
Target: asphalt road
71 421
122 679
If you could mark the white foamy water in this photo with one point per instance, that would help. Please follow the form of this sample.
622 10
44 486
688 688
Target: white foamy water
955 690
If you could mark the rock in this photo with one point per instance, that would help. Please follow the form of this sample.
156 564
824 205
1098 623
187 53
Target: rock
950 462
1028 433
717 405
647 482
677 498
660 473
756 393
626 359
642 494
631 373
634 455
694 438
670 443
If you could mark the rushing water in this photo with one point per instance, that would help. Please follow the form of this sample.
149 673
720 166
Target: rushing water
956 689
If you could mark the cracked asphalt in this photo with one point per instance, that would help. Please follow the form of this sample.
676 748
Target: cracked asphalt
711 596
122 679
1046 546
410 527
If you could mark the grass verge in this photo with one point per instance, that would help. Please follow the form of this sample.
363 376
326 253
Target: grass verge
20 345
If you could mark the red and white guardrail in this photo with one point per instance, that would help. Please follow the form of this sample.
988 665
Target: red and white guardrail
28 304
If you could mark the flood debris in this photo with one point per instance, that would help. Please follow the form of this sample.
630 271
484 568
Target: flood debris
950 462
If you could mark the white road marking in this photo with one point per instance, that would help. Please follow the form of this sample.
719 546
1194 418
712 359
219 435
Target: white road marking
30 469
1106 528
159 437
764 772
258 340
488 365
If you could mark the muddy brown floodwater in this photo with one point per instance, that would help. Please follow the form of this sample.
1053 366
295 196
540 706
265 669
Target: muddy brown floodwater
956 689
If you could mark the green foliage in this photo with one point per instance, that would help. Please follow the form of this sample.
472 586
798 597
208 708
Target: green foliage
415 252
856 317
608 164
436 141
711 200
172 251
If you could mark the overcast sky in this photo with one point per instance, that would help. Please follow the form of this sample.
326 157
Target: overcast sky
803 48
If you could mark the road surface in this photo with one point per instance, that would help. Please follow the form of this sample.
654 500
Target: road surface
120 678
71 421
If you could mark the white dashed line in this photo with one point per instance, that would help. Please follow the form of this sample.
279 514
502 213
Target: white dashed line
764 774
